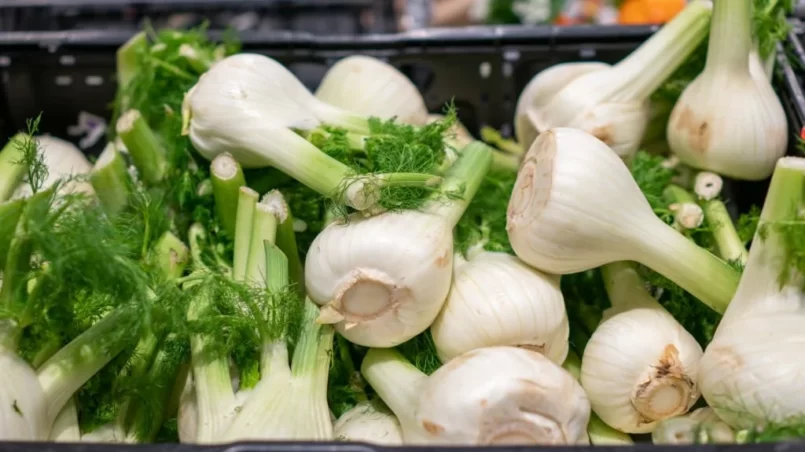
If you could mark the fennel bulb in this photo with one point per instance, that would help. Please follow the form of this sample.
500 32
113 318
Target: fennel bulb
382 280
371 422
575 206
489 396
63 160
539 91
245 99
495 299
23 407
290 402
729 120
750 373
640 365
371 87
612 103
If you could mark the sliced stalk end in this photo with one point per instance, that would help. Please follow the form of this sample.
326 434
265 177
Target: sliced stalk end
687 213
227 179
144 146
708 185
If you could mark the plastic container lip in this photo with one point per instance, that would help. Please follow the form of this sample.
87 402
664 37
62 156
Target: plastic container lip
436 37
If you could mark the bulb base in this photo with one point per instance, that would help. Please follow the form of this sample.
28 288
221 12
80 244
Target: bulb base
365 295
532 189
667 392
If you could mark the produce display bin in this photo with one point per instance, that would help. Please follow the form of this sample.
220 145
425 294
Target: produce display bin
322 16
69 75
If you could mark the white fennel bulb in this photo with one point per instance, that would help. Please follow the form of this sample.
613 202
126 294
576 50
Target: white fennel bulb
382 280
729 120
63 160
489 396
539 92
290 401
751 372
612 103
701 426
371 422
246 98
495 299
371 87
575 206
23 406
640 365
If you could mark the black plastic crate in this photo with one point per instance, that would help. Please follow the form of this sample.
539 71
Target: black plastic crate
317 16
482 69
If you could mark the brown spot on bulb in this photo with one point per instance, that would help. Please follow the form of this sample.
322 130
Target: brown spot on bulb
432 427
443 259
698 131
604 133
668 361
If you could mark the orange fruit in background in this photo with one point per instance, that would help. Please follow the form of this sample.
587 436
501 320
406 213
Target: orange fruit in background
642 12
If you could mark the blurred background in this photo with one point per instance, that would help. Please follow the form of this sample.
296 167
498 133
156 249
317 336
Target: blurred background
334 17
